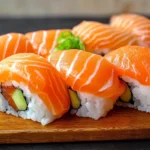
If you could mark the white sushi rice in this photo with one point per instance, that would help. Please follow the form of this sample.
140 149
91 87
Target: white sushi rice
141 95
36 111
93 106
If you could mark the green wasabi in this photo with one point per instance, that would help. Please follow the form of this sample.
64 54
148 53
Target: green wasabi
19 100
63 36
67 41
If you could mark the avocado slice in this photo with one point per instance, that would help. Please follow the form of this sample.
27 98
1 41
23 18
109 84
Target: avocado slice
126 96
19 100
75 101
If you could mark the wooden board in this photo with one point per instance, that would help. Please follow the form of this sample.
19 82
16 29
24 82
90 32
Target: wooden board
120 124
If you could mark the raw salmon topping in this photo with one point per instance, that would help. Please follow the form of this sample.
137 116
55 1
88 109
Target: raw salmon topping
101 38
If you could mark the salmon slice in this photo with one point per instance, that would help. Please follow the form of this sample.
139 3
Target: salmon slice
101 38
136 24
40 77
14 43
44 41
87 72
133 62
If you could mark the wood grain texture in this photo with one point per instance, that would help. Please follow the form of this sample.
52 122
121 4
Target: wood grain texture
120 124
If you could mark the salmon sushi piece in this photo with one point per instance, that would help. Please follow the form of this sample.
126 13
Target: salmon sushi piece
136 24
44 41
92 81
132 63
101 38
13 43
32 88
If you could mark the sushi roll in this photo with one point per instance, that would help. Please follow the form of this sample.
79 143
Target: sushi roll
133 23
13 43
47 41
132 64
101 38
94 84
31 88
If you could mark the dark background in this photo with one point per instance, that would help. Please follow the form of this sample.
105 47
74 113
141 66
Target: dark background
111 145
31 24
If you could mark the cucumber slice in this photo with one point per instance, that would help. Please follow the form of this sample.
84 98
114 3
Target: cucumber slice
19 100
126 96
75 101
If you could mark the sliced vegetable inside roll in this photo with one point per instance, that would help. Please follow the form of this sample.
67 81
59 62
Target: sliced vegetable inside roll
32 89
132 63
94 84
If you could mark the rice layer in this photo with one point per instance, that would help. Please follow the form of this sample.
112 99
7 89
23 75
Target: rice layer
93 106
36 111
141 95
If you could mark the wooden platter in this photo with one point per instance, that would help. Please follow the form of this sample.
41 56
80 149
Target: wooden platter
120 124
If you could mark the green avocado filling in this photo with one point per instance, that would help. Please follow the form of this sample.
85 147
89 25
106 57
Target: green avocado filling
67 41
127 95
75 101
19 100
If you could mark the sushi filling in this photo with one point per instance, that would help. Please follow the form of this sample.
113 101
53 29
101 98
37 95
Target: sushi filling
140 96
15 97
30 105
127 95
75 101
89 105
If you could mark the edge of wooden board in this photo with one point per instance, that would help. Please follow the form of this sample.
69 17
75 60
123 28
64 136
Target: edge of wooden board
72 136
120 124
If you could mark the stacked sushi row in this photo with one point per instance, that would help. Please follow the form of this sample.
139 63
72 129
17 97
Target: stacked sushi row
47 73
